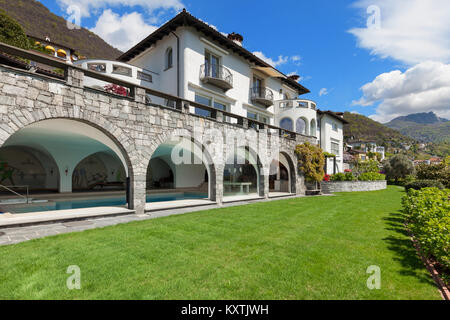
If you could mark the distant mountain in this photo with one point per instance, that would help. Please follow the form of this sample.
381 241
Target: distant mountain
365 129
424 127
39 22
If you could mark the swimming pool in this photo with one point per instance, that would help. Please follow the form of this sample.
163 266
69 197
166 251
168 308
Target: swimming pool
107 202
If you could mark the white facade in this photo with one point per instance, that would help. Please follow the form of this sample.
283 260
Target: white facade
182 59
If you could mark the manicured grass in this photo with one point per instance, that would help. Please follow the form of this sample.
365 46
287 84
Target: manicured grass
306 248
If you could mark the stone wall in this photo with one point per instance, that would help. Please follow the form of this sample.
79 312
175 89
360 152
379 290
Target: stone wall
137 128
352 186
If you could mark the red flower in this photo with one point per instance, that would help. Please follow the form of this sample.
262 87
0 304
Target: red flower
327 178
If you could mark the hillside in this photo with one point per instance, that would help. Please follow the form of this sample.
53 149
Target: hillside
366 129
424 127
39 22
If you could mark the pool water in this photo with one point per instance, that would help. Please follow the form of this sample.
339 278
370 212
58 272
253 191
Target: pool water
107 202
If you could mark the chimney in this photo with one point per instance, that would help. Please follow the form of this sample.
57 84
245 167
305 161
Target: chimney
237 38
294 77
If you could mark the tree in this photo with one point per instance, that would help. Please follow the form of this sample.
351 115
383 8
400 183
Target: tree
311 161
11 32
398 167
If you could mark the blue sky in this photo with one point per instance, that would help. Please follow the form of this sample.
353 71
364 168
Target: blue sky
313 39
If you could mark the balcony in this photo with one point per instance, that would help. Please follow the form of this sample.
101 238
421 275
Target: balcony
262 96
216 75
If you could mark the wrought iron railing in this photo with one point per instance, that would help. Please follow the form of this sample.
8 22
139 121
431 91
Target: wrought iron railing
217 72
262 93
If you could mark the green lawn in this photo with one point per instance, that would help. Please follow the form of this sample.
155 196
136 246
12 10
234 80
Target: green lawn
305 248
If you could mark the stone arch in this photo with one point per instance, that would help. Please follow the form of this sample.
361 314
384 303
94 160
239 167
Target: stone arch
207 156
292 170
22 118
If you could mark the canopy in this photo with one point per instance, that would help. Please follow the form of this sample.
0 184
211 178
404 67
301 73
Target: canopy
271 72
61 52
50 48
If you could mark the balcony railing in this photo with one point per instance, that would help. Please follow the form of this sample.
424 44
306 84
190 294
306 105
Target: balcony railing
216 75
262 95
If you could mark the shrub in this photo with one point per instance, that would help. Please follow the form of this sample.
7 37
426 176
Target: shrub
428 217
371 176
398 167
338 177
439 172
327 178
420 184
360 167
11 32
311 161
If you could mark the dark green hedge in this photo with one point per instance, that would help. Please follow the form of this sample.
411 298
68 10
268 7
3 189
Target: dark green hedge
420 184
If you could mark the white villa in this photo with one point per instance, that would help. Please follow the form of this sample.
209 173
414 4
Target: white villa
189 59
70 137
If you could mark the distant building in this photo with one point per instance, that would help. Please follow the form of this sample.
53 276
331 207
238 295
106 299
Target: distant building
57 50
366 147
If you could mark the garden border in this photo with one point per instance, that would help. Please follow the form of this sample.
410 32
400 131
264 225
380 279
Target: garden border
352 186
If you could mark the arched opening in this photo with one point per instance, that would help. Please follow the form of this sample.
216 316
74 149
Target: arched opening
301 126
287 124
313 130
74 158
282 176
99 171
242 174
24 166
180 169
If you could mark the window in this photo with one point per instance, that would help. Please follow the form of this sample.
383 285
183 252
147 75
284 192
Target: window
144 76
312 128
287 124
257 86
121 70
210 103
335 126
203 100
169 58
212 65
98 67
301 126
303 104
335 148
252 115
220 106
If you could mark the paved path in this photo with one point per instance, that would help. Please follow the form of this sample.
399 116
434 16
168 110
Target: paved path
10 236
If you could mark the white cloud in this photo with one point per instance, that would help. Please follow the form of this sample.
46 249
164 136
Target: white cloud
86 7
422 88
296 60
124 31
275 63
411 31
323 92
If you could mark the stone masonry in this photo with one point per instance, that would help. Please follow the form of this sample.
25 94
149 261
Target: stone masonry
137 128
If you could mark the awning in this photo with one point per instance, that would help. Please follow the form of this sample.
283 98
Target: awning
50 48
271 72
61 53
